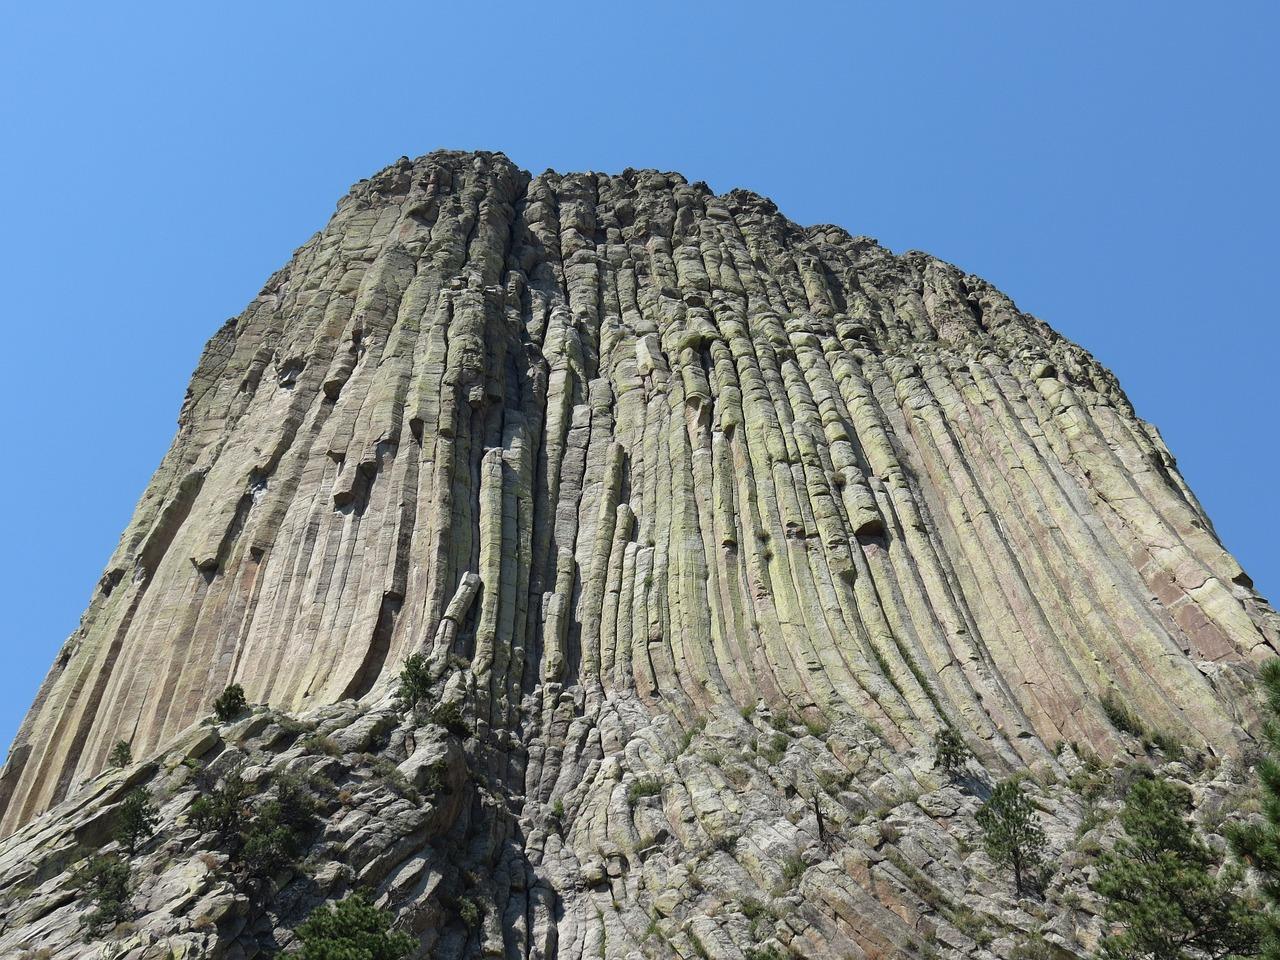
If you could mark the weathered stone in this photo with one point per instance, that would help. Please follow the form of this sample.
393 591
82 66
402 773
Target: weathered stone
656 480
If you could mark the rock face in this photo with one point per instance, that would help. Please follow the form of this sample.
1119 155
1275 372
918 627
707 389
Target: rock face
707 522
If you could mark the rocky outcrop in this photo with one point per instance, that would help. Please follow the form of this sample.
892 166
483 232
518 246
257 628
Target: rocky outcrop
700 515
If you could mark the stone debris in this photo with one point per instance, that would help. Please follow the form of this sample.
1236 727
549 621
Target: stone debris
707 524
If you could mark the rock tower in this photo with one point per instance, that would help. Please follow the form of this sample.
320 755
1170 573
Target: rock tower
705 522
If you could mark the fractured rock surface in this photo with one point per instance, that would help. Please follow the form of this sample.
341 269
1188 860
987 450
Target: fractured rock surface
697 513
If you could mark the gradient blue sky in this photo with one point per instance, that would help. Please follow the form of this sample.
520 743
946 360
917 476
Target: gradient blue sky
1112 166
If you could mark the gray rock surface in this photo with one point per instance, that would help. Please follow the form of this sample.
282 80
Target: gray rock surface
697 515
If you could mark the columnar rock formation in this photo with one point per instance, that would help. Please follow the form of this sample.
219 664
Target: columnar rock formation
631 462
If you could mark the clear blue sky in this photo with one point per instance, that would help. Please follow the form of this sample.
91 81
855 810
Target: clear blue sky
1112 166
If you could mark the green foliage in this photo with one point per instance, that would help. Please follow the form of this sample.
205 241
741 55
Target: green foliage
220 810
759 916
1034 947
816 727
772 748
415 680
644 787
1121 717
230 703
449 716
1258 843
104 881
950 752
1169 744
137 820
469 913
319 743
353 929
792 868
436 780
1012 832
972 924
274 836
1160 886
121 754
262 838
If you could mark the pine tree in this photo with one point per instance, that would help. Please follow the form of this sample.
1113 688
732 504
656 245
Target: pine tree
137 820
104 881
415 680
230 703
350 929
1162 889
1258 844
121 754
1013 834
950 752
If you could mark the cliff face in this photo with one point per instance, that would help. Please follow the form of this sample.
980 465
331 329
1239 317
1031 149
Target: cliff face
635 465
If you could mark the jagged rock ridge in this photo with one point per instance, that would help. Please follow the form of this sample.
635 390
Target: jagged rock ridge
631 462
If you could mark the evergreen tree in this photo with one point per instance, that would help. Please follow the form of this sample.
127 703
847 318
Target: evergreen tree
104 880
1161 887
415 680
353 929
1258 844
230 703
1012 831
222 809
950 752
121 754
137 820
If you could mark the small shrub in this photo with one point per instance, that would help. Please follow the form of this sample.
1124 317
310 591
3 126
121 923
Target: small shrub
293 725
792 868
644 787
274 836
1033 947
104 881
353 929
415 681
230 703
1121 717
220 810
469 913
1169 744
137 820
726 842
319 743
267 845
449 716
829 781
973 925
772 750
435 781
121 754
816 727
759 917
769 952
